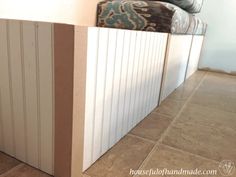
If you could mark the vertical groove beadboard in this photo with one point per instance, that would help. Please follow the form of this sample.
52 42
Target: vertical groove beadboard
124 70
26 92
6 117
53 99
176 63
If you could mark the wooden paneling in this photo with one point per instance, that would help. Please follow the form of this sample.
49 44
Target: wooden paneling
176 63
194 55
26 79
124 70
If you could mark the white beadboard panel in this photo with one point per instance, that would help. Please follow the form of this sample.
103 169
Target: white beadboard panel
160 64
100 88
194 55
29 50
17 89
143 81
149 76
45 86
157 70
134 87
6 91
130 67
152 100
123 82
93 39
112 38
139 84
176 63
122 71
26 80
116 88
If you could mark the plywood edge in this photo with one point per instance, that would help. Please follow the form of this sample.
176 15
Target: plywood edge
202 47
189 55
63 72
79 96
164 71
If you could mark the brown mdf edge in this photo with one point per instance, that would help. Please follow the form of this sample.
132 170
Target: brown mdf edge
79 95
63 73
70 55
189 55
201 52
164 68
202 47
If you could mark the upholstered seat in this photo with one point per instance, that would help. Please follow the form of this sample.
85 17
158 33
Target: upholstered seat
148 16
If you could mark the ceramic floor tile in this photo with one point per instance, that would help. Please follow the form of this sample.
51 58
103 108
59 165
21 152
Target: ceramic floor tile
170 107
214 118
204 131
25 171
7 163
223 101
182 93
227 78
195 79
217 91
127 154
152 127
168 158
186 89
219 84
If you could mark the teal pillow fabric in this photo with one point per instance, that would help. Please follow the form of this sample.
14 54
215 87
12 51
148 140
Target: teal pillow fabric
146 15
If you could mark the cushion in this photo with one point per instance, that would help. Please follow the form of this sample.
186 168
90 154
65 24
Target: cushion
148 16
191 6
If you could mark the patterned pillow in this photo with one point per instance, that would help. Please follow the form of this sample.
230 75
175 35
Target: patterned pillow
148 16
192 6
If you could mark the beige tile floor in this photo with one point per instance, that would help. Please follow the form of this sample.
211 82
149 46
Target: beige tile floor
10 167
195 127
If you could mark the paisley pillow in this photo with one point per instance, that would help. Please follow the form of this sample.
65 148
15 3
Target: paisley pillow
146 15
192 6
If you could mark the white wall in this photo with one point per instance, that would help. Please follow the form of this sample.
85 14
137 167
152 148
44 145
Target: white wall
219 52
79 12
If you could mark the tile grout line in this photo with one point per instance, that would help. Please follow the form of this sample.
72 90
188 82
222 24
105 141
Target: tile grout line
196 155
146 139
83 175
155 147
173 121
21 164
181 110
165 116
213 108
142 138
